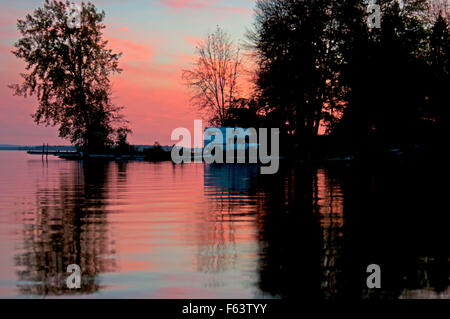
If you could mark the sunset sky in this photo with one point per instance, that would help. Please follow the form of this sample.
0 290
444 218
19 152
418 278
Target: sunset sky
157 39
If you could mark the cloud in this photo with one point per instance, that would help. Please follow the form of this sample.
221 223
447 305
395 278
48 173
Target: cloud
212 5
193 41
157 39
188 4
132 50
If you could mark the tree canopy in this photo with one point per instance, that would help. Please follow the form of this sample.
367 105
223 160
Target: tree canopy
321 64
214 78
68 69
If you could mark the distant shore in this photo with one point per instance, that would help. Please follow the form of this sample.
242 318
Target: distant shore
14 147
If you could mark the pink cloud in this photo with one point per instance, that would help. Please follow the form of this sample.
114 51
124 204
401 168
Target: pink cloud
188 4
192 41
150 87
132 50
9 16
202 4
124 29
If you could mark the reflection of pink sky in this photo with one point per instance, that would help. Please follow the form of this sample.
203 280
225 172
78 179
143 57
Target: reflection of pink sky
155 50
160 220
169 229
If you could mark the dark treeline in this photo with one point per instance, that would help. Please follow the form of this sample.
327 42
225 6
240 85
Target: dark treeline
322 68
68 70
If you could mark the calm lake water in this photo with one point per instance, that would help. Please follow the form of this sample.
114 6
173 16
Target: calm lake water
157 230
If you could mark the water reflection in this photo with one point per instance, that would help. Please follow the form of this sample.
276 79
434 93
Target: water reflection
394 218
321 228
329 206
68 226
226 233
157 230
290 235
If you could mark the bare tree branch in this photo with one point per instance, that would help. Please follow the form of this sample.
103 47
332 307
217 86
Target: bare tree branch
214 77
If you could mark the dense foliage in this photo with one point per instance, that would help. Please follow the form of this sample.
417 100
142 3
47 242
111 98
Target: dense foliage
68 69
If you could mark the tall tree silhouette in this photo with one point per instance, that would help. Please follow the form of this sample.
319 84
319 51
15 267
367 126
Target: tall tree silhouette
214 79
320 63
68 68
439 60
296 49
385 70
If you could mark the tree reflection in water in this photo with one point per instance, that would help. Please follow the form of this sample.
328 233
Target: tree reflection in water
68 226
322 227
307 232
319 229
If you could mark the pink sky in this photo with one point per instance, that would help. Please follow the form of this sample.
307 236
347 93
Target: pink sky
157 40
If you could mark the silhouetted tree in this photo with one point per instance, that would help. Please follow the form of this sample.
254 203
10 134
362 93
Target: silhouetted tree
214 79
440 8
439 60
247 112
68 70
296 50
121 144
385 70
320 64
